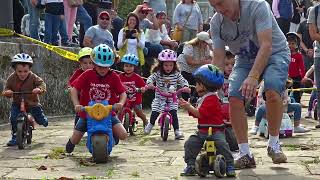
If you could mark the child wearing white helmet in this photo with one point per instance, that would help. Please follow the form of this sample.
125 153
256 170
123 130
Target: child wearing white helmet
131 81
97 84
24 80
166 74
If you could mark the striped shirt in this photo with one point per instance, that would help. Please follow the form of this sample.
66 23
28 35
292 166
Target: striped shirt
163 82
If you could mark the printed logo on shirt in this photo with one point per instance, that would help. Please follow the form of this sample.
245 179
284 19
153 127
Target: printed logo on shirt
130 90
293 59
99 92
248 51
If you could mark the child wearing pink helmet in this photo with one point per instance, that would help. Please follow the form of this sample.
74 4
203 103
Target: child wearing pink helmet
165 75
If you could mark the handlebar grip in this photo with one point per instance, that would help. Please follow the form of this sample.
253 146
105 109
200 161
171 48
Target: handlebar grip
222 126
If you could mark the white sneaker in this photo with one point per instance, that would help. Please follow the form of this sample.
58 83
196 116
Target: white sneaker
148 128
300 129
178 134
254 130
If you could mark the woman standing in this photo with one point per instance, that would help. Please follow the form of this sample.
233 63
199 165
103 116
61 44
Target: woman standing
187 17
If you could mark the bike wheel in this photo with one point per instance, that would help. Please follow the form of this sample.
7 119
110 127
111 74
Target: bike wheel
126 121
165 129
21 140
29 135
132 126
202 165
315 114
219 166
100 148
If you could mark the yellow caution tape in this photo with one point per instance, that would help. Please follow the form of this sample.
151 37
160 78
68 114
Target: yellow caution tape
62 52
302 89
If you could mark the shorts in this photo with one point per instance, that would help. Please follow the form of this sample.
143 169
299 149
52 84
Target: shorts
275 74
82 123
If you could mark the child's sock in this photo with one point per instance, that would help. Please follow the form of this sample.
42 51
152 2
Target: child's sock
244 149
273 140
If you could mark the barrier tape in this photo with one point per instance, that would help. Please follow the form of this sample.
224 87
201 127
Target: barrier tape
62 52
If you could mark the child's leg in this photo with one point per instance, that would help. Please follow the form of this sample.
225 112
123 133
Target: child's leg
296 84
175 120
38 115
15 110
118 130
78 133
192 148
261 112
296 108
312 98
138 110
153 117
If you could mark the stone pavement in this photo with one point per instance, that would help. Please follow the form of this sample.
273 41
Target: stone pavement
146 157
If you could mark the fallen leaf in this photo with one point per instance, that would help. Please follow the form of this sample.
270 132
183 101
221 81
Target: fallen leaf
42 167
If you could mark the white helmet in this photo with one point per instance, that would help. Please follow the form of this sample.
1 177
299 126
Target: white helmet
23 58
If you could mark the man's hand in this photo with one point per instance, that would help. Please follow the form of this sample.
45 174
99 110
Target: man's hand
248 87
117 107
78 108
36 91
34 2
310 53
8 93
184 104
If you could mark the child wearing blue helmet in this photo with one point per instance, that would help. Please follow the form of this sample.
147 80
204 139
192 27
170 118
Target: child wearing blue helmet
208 79
131 81
97 84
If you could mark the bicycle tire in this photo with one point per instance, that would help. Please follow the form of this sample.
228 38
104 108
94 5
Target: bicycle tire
165 129
126 121
29 135
219 166
21 134
315 114
132 125
99 149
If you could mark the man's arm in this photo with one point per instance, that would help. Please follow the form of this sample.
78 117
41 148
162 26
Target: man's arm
87 42
313 31
218 58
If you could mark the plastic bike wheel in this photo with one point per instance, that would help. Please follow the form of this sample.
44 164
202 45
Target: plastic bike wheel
21 139
202 165
219 166
126 121
29 135
100 148
165 128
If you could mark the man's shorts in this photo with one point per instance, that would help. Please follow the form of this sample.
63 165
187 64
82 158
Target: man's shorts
275 74
82 123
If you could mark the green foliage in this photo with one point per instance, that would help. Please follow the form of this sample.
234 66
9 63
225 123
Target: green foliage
127 6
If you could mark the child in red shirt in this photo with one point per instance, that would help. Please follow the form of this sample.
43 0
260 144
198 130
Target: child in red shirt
97 84
85 63
296 66
131 81
208 79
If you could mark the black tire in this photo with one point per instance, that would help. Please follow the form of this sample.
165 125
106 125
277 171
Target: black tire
219 166
99 149
231 139
132 126
126 121
165 129
202 165
29 136
315 114
21 139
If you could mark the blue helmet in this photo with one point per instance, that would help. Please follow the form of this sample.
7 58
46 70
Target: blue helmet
210 76
130 59
102 55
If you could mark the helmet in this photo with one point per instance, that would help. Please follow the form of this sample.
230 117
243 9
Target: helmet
167 55
102 55
130 59
86 51
209 75
23 58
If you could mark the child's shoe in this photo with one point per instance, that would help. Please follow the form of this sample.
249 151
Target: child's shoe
148 128
189 171
69 147
230 172
13 141
178 134
300 129
254 130
308 115
318 126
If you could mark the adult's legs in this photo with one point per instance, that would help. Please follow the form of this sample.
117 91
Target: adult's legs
34 20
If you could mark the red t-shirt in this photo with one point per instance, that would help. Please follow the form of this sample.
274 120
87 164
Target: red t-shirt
130 83
210 112
75 75
93 87
296 66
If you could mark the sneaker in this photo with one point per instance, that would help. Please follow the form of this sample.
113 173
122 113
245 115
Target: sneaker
254 130
318 126
244 161
189 171
230 171
300 129
276 154
69 147
178 134
13 141
308 115
148 128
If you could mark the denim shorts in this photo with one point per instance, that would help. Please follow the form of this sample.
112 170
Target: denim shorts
275 74
82 123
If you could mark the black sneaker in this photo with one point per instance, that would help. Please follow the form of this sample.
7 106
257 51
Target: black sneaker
69 147
189 171
318 126
244 162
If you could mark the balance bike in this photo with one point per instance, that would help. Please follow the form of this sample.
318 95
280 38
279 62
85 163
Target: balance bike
99 124
208 160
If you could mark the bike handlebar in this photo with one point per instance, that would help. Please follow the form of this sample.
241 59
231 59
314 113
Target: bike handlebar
222 126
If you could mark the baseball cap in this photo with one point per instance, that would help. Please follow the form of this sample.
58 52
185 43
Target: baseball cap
204 36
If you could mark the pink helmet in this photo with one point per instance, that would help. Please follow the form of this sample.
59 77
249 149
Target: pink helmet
167 55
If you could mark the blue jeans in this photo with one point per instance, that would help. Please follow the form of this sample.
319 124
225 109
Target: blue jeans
317 78
153 49
63 31
34 20
52 23
312 98
35 111
292 107
84 18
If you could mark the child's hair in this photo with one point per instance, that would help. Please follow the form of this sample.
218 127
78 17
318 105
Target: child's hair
158 67
293 37
14 65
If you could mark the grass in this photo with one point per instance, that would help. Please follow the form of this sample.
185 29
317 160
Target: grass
315 160
57 153
89 177
135 174
292 147
110 172
144 140
37 157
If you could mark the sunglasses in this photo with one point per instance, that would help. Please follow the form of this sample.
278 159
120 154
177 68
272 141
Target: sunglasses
228 37
105 18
